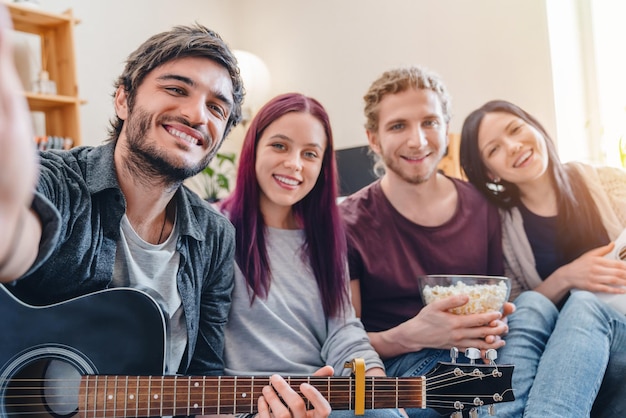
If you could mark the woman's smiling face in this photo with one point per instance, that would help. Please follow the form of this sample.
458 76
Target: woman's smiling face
289 159
512 149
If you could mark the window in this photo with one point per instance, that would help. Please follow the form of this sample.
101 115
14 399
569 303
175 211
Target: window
608 29
587 39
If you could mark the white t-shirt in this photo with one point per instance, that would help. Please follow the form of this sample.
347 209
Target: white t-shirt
153 269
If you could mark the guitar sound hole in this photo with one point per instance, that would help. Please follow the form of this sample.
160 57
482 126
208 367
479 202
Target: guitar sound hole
44 388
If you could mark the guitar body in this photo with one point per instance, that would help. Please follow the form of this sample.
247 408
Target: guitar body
115 331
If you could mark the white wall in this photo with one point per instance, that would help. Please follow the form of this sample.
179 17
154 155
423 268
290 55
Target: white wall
333 50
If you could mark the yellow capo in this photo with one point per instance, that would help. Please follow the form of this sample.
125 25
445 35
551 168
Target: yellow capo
358 371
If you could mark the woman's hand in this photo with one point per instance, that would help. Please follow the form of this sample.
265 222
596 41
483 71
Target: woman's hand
507 309
279 400
593 272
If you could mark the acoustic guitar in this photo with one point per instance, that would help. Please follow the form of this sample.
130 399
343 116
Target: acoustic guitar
103 355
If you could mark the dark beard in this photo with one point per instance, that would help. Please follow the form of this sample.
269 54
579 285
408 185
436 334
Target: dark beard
146 160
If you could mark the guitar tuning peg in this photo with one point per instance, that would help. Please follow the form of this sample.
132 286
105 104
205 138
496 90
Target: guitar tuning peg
473 354
454 354
492 410
473 413
491 355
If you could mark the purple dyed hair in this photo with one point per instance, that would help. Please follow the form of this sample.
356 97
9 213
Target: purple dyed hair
317 211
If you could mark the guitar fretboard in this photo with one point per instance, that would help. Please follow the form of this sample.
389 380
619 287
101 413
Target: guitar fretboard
145 396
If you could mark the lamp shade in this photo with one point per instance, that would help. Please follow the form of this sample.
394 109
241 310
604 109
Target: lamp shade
256 81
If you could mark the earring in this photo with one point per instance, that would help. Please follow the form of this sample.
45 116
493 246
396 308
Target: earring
496 180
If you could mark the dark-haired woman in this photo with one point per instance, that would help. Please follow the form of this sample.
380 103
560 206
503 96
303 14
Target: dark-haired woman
559 221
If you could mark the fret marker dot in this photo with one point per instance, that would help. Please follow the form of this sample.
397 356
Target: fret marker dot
156 396
243 395
132 396
195 405
110 397
196 384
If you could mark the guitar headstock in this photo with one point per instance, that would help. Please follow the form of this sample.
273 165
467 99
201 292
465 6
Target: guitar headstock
460 388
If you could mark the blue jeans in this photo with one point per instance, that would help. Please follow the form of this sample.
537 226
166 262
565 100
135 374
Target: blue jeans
611 400
574 344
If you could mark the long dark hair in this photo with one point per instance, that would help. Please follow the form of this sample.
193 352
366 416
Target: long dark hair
317 211
579 224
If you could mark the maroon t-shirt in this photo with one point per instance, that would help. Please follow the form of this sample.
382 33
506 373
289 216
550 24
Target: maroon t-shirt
387 252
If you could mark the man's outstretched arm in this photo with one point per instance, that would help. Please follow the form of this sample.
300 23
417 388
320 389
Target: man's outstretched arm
20 229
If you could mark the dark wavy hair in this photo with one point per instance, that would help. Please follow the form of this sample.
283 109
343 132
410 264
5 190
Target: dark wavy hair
179 42
575 204
317 211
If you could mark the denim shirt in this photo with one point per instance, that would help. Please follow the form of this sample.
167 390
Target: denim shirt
80 204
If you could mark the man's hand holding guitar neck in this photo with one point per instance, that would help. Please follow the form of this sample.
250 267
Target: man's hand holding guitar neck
19 228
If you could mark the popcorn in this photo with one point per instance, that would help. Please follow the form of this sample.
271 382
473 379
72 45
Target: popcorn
483 297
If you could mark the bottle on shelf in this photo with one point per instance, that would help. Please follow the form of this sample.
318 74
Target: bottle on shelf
43 85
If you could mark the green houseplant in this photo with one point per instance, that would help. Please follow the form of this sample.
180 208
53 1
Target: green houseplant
216 178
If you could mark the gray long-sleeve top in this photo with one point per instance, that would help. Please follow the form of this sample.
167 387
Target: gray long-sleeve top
288 333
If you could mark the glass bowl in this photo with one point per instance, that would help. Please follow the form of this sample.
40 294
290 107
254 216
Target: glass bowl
486 293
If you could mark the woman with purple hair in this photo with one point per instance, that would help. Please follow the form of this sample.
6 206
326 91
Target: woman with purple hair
291 312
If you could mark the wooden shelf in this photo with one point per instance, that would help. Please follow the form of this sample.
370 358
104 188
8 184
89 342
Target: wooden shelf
42 102
56 32
450 163
33 20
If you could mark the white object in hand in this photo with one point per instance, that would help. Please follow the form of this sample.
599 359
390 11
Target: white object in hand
618 302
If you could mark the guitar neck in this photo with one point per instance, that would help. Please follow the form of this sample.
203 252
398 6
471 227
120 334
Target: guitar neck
145 396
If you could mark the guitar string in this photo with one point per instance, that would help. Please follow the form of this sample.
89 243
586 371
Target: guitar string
430 382
142 411
432 400
204 409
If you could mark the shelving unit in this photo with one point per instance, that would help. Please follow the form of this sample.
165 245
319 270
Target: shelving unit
56 31
450 163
